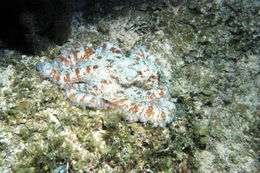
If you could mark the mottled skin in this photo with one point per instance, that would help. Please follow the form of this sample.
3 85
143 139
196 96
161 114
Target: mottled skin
106 78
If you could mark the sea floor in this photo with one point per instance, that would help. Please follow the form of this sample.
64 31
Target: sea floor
210 53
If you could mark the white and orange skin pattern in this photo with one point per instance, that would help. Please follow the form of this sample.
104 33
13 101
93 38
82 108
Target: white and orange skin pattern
105 78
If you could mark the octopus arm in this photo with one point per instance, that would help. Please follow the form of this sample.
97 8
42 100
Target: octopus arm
109 50
84 99
143 54
69 57
148 95
159 113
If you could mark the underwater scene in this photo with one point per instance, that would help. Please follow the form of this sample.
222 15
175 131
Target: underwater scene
140 86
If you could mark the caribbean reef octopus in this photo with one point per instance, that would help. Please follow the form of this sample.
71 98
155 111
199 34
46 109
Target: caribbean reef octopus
105 77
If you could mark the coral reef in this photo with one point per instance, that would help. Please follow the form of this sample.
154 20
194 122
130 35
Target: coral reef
209 51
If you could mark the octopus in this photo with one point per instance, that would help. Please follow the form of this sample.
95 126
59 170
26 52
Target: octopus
106 78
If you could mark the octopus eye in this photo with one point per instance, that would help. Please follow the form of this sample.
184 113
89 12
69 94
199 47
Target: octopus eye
138 84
